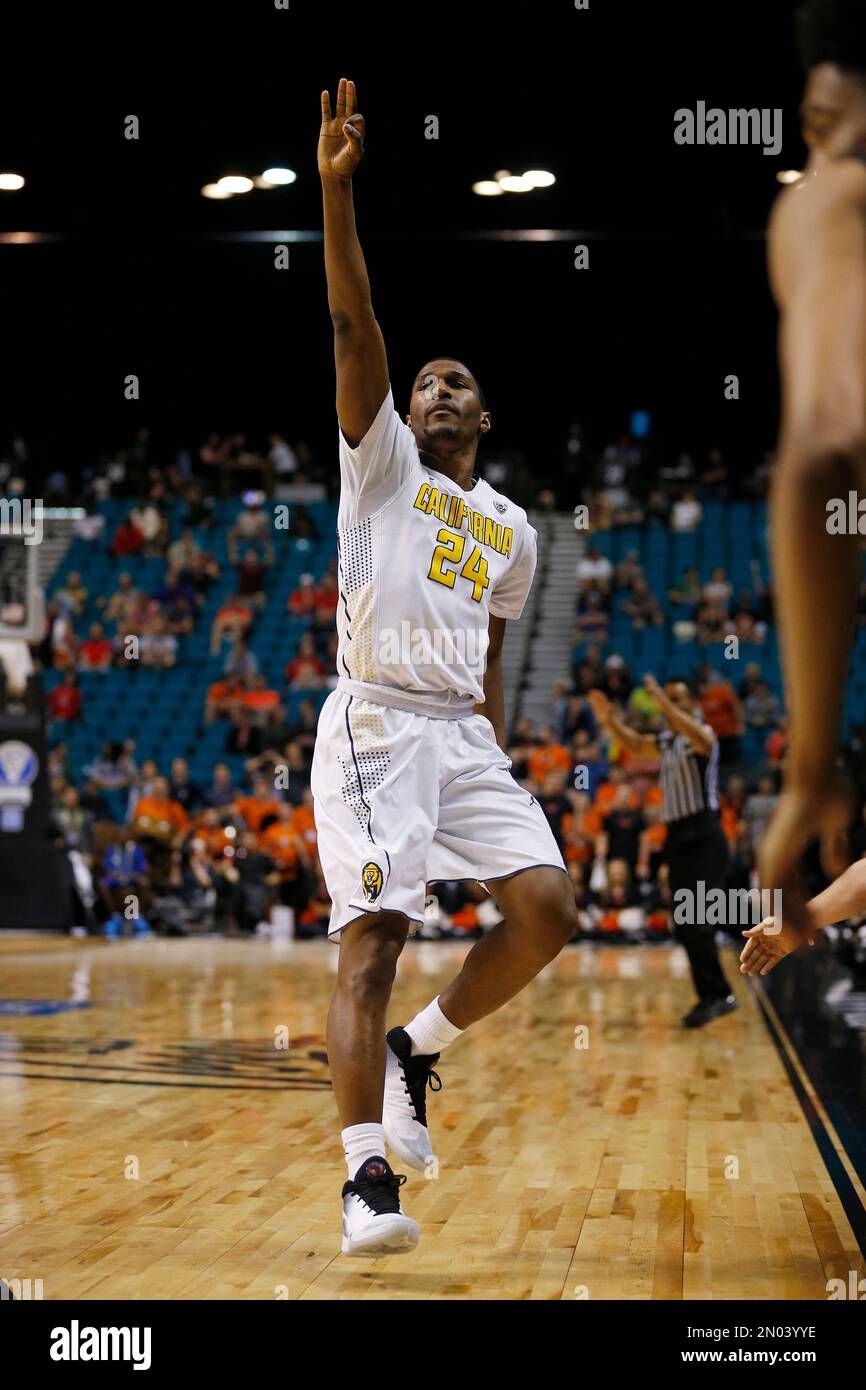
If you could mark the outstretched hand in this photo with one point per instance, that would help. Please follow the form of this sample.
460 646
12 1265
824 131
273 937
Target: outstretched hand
341 138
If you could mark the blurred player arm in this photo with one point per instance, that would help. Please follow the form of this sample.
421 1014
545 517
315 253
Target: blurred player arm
359 348
494 699
818 269
844 898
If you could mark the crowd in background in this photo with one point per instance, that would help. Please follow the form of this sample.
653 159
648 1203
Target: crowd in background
213 855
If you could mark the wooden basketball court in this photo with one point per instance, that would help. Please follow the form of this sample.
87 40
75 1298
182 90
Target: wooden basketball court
160 1141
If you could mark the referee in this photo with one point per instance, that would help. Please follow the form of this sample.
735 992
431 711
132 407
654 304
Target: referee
695 846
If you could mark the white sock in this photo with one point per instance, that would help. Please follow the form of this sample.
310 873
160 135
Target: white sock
361 1142
431 1031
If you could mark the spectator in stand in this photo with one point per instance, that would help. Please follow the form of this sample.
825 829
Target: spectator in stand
249 876
731 804
686 513
124 874
587 754
175 588
73 823
777 743
305 671
712 624
616 679
150 520
580 827
157 647
643 607
302 601
576 714
223 699
689 592
553 801
241 663
652 842
141 785
186 793
302 526
613 890
199 511
128 538
220 793
234 619
594 566
244 737
181 554
126 605
262 704
95 654
214 833
283 458
723 712
759 810
261 807
64 701
304 821
159 811
592 617
761 708
746 628
752 677
621 829
281 841
547 756
251 580
714 477
718 589
71 600
253 527
114 769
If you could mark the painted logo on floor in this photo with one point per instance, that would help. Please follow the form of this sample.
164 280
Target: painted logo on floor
246 1065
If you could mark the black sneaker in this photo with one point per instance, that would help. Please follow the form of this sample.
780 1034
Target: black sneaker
373 1220
708 1009
404 1113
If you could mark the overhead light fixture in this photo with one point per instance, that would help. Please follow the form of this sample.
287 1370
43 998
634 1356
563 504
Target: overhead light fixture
235 183
11 182
487 188
213 190
276 177
540 178
515 183
789 175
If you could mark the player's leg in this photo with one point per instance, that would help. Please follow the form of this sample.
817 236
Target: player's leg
540 917
704 859
369 949
489 828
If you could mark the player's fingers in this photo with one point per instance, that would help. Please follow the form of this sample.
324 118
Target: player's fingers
351 106
326 106
753 931
341 99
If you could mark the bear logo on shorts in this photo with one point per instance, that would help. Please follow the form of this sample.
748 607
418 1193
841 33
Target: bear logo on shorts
371 881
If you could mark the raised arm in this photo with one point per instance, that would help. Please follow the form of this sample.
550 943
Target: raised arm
359 348
642 745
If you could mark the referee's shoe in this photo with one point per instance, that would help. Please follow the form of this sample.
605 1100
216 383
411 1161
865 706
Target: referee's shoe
707 1009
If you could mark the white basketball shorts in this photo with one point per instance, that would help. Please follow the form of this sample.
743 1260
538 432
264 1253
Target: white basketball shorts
402 800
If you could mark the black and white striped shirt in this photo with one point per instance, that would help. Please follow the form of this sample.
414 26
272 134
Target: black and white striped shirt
689 780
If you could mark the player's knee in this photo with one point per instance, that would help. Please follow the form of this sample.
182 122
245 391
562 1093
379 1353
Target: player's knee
369 969
553 919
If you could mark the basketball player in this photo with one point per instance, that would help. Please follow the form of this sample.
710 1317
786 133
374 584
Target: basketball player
409 779
770 941
817 258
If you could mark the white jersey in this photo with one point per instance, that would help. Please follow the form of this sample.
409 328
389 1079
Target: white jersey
422 565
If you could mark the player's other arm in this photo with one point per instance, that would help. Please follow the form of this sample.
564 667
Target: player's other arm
359 348
818 269
494 698
774 938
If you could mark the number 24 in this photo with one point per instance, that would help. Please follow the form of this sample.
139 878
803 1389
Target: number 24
451 546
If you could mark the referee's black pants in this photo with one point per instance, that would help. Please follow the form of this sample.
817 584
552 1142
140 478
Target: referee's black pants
696 849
